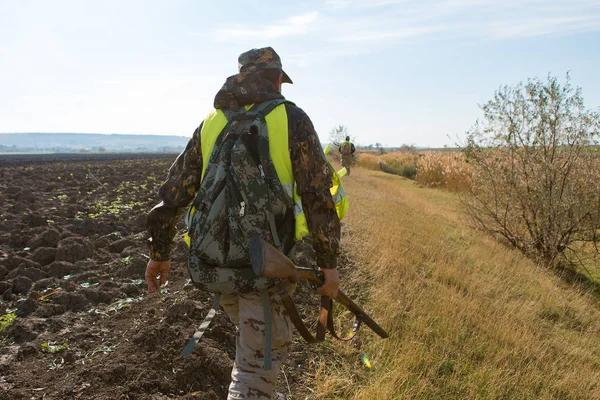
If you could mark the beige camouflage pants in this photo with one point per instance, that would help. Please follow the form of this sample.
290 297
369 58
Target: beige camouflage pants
347 162
249 380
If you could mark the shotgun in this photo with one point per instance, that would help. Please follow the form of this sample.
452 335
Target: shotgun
268 262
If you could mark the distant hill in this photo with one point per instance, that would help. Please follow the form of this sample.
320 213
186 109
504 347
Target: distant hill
89 142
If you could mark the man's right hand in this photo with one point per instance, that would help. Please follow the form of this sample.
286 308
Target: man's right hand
156 274
332 283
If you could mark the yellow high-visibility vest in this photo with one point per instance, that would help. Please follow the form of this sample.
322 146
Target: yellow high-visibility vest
277 125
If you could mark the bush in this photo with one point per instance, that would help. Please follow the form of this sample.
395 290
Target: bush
536 176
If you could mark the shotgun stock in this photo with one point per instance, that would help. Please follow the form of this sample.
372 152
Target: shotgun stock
268 262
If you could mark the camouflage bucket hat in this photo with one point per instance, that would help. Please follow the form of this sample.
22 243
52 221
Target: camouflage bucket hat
257 59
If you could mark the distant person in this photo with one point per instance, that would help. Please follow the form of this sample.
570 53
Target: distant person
347 149
254 165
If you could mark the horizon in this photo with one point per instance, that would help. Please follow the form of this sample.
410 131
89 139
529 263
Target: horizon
392 71
176 136
45 148
92 133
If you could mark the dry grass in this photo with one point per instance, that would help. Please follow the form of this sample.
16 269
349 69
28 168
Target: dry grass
436 169
369 161
397 163
444 170
467 317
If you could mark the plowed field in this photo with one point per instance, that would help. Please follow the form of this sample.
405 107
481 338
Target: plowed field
72 259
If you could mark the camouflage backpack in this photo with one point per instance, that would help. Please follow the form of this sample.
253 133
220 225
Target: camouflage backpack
240 195
346 148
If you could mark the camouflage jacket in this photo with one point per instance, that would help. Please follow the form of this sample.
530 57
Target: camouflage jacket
310 173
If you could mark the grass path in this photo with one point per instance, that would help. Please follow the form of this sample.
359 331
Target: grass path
467 317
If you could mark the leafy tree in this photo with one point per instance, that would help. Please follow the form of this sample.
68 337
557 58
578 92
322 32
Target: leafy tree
536 172
337 135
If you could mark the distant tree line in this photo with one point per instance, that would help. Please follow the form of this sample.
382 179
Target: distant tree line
83 142
339 133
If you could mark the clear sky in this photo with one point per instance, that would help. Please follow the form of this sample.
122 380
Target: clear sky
393 72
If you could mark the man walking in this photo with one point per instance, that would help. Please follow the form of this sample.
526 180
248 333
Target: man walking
304 174
347 149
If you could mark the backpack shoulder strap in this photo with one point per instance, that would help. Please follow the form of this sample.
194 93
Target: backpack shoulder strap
266 107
